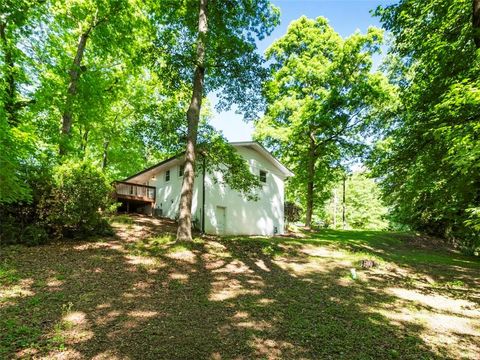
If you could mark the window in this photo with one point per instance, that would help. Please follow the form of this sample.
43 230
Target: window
180 170
263 176
167 175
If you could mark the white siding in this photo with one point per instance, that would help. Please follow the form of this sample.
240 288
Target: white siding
168 193
242 217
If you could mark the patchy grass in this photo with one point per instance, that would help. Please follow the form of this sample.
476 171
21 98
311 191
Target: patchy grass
141 295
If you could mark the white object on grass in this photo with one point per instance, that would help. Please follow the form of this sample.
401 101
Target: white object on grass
353 272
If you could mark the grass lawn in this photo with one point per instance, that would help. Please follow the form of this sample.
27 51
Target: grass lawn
140 296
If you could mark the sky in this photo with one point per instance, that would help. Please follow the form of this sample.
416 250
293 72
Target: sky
346 16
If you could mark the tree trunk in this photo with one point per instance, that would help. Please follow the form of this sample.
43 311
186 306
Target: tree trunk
184 232
334 208
11 88
74 72
310 184
476 22
106 143
84 143
344 204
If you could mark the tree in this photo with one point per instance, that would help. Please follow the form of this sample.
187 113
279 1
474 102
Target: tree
120 115
193 117
213 49
115 94
429 157
364 206
219 157
112 31
322 97
18 19
74 76
476 22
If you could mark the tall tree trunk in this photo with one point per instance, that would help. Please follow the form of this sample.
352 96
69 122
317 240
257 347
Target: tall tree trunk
11 88
184 232
106 143
310 184
476 22
84 143
344 204
75 71
334 208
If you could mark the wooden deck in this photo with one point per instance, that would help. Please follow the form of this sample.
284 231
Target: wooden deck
135 192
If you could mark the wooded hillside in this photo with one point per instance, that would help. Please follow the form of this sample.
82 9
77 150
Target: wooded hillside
93 91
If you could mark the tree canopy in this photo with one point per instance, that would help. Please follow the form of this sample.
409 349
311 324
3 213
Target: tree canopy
363 207
429 156
118 85
108 84
212 49
321 102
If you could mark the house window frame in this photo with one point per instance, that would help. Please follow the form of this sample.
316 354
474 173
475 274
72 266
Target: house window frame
262 175
167 175
181 170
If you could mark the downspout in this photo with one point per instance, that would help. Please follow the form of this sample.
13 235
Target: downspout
203 197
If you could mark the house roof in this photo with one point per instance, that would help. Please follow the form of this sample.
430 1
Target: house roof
257 146
155 168
149 172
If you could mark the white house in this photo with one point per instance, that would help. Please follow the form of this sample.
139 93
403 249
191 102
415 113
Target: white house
216 208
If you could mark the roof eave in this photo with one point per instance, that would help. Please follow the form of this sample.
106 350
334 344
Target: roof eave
283 169
153 167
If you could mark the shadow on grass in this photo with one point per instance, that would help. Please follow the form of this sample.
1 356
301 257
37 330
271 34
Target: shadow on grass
204 300
389 246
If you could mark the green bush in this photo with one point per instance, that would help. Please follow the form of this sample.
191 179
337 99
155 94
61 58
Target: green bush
34 235
9 231
74 206
293 212
12 232
68 201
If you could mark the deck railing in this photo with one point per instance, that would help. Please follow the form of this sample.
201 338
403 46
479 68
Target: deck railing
133 191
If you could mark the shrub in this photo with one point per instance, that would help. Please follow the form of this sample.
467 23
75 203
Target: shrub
292 212
67 201
34 235
78 195
11 232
